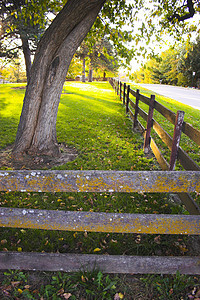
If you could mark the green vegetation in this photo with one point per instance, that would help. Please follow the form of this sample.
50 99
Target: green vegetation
92 120
179 65
94 285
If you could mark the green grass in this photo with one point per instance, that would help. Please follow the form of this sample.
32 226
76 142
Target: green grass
92 120
11 104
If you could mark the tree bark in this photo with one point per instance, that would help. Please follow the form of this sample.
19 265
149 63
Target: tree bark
90 74
37 127
27 56
83 71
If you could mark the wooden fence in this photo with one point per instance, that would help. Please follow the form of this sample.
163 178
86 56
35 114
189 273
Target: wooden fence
177 153
100 181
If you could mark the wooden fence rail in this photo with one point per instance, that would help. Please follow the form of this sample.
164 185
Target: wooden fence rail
177 153
99 181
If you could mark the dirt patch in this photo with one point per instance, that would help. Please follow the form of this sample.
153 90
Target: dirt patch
37 162
19 87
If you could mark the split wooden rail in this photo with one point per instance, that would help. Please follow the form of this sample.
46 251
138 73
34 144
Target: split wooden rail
126 95
99 181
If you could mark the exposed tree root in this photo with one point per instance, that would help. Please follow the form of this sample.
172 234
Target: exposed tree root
7 161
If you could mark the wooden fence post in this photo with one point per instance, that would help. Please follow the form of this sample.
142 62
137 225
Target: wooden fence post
124 95
176 139
149 125
117 87
136 108
120 91
127 99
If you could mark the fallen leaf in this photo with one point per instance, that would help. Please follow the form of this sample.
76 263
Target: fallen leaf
114 241
3 242
157 239
27 287
171 291
83 278
97 249
118 296
60 292
15 283
67 295
20 291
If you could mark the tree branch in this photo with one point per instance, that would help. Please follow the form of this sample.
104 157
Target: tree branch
190 6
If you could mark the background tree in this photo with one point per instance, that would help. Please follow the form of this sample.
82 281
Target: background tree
160 69
74 68
104 57
189 62
23 22
82 54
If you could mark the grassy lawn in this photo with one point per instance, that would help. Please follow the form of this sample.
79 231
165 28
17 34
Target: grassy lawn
92 120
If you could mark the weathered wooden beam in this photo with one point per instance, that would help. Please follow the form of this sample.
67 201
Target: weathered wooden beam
187 162
149 125
160 158
191 132
176 139
135 122
120 91
132 104
189 203
132 92
99 221
124 94
100 181
146 100
106 263
117 87
127 99
167 113
142 114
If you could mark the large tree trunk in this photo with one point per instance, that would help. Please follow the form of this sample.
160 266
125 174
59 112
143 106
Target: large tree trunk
37 127
27 56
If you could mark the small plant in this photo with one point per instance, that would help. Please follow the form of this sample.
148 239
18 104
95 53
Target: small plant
173 287
87 285
95 285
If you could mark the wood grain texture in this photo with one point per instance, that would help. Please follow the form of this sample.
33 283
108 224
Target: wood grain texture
106 263
100 181
99 221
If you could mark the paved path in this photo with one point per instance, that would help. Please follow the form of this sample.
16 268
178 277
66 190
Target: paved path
187 96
